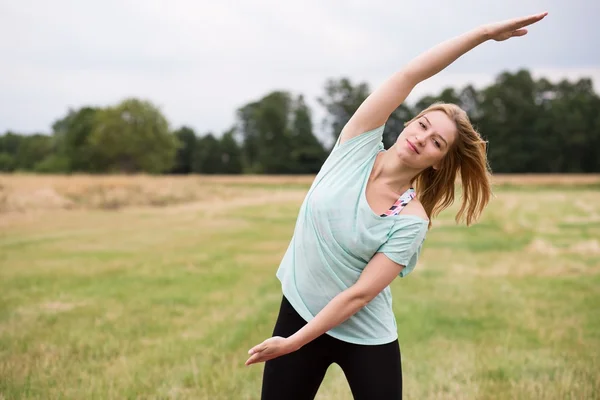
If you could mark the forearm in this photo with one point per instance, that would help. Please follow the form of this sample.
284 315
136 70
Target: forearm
338 310
442 55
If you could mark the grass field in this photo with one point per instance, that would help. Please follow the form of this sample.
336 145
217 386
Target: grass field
155 288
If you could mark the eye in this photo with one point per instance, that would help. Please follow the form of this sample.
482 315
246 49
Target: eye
422 125
437 143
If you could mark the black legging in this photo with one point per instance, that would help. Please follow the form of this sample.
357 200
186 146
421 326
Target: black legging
373 371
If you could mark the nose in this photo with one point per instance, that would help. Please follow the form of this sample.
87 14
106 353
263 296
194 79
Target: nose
419 140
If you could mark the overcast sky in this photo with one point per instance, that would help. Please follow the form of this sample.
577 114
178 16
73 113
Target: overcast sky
201 60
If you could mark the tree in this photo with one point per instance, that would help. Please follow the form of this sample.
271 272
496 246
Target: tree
32 150
531 126
341 100
7 162
9 146
536 126
207 156
231 154
509 114
448 95
307 155
395 124
72 134
185 150
264 129
277 136
133 137
574 121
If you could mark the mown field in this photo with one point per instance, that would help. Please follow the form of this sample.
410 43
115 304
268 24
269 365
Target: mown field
138 287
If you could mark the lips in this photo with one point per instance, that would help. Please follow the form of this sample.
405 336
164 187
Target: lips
412 146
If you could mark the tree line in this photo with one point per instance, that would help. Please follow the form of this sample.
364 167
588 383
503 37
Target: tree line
532 126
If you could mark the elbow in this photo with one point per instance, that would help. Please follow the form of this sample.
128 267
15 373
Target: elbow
411 75
359 297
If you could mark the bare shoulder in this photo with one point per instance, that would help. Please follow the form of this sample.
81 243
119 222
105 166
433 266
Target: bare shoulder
414 207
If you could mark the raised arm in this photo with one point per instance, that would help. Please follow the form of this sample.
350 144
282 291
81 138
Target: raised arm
378 107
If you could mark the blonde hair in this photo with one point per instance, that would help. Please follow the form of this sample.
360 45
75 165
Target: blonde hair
467 157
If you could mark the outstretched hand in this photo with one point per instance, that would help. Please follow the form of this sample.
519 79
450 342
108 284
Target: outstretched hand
269 349
503 30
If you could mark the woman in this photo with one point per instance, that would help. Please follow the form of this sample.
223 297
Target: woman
362 224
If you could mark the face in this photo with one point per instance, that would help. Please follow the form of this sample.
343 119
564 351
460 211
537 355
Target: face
426 141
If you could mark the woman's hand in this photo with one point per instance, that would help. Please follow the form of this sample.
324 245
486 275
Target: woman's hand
500 31
269 349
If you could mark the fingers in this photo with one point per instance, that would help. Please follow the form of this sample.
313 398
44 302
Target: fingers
259 357
258 348
254 359
257 353
519 32
267 350
531 19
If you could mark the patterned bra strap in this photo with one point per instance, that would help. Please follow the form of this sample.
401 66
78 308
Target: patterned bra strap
400 203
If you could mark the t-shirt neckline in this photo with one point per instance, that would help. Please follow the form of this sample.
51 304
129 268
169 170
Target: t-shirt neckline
365 203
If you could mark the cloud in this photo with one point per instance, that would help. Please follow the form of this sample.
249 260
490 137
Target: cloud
200 60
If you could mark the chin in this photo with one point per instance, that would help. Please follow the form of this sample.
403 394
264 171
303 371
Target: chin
404 157
399 150
399 153
408 158
403 152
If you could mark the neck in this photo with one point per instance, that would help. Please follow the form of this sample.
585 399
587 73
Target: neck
393 173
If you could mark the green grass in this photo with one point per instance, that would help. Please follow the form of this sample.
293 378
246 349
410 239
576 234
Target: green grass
163 303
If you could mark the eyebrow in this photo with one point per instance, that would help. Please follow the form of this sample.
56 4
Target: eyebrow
440 136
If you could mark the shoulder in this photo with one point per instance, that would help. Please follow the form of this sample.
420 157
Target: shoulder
415 208
351 133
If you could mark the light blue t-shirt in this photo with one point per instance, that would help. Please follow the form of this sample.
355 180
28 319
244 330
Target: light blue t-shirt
336 235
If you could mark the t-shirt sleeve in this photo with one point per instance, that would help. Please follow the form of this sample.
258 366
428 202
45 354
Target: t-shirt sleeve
368 139
359 147
352 154
405 242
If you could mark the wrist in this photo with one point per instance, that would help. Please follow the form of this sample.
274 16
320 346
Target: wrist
293 342
482 33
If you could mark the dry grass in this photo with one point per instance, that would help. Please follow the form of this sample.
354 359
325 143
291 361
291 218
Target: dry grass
162 300
25 193
22 193
546 179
